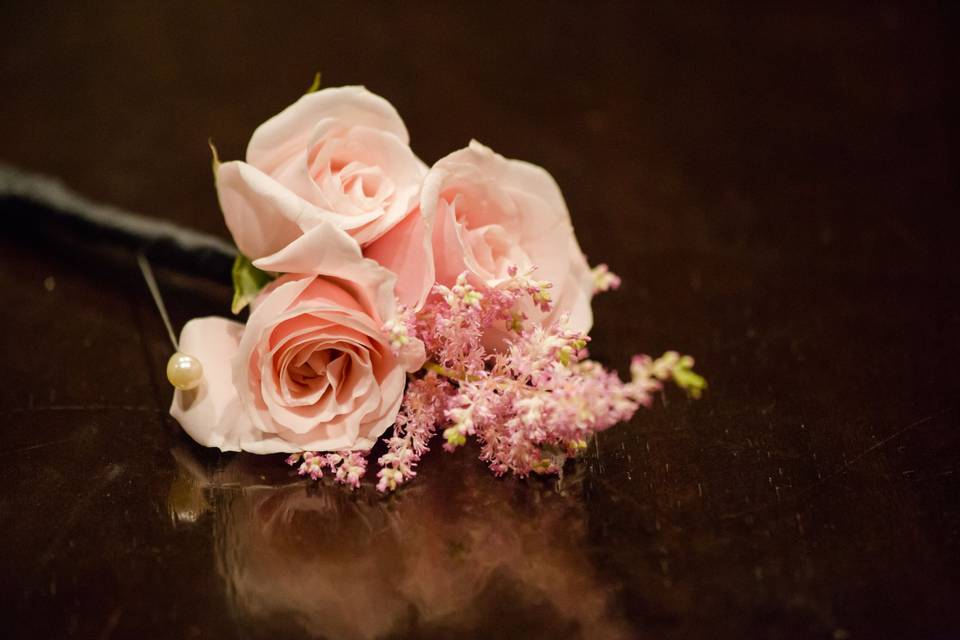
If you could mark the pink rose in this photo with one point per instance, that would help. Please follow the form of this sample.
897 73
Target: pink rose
312 369
489 213
340 155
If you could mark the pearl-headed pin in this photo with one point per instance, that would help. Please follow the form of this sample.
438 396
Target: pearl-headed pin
183 371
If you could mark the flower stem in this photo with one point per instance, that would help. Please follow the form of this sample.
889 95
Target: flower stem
443 371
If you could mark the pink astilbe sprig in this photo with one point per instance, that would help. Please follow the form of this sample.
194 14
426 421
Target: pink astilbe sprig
531 404
424 405
604 279
541 401
348 467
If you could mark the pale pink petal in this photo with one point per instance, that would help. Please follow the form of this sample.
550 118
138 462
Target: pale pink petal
448 252
211 414
329 251
264 216
407 251
260 213
392 396
290 130
576 293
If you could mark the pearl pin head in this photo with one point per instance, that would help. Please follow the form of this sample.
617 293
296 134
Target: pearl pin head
184 371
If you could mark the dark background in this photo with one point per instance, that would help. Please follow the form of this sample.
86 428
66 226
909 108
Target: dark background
775 184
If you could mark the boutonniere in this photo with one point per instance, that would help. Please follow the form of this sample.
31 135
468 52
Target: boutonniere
393 301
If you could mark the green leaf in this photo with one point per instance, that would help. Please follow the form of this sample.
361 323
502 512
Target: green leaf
247 282
316 84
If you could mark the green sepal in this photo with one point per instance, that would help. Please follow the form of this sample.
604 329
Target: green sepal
247 282
214 159
316 84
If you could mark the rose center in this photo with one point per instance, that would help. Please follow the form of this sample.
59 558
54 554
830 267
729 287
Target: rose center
350 184
493 247
305 373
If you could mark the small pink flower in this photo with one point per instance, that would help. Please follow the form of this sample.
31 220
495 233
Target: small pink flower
312 466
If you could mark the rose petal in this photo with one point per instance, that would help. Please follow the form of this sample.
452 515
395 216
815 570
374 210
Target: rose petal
211 414
264 216
289 131
407 251
328 250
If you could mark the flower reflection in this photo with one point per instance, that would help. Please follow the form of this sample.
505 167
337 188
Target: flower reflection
466 558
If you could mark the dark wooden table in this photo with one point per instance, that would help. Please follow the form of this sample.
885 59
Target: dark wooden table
778 190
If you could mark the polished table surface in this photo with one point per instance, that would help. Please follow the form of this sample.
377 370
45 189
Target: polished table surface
775 186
